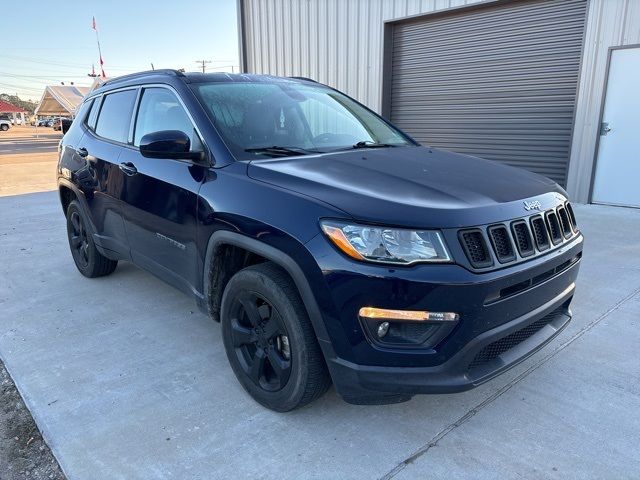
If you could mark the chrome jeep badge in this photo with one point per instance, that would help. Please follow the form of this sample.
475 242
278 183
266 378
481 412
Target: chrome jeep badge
534 205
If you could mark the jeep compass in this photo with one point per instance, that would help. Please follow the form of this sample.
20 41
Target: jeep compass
330 245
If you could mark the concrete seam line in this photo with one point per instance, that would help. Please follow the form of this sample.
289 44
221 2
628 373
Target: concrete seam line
473 411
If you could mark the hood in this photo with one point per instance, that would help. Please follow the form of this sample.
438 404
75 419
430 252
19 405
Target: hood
411 186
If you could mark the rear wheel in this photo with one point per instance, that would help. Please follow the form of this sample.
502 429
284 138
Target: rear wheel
269 339
89 261
4 127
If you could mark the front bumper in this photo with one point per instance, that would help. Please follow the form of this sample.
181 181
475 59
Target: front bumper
501 323
482 359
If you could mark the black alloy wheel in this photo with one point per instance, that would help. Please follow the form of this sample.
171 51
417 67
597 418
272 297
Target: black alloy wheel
78 239
89 261
269 339
261 342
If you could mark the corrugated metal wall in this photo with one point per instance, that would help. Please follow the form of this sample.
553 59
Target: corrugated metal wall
339 42
610 23
498 82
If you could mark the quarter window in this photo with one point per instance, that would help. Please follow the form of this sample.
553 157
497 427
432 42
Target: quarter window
115 115
161 110
93 114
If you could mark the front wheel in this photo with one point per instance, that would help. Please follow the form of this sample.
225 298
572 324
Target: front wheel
269 339
89 261
4 127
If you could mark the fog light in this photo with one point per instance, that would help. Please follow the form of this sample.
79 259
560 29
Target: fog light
406 328
383 329
407 315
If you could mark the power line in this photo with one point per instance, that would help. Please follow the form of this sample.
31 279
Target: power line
203 63
18 76
16 86
10 89
51 48
56 63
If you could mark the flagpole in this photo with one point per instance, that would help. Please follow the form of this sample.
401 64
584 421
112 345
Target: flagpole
95 28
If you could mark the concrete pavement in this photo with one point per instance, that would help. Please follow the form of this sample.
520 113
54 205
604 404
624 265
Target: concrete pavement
28 158
127 380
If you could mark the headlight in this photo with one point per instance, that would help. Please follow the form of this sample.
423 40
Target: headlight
387 245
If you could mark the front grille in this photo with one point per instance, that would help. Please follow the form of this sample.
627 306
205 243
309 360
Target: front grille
565 223
475 248
514 241
523 238
497 348
501 243
572 216
554 227
540 232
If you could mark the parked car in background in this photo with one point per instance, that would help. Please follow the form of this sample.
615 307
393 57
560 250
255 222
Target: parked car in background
4 124
329 244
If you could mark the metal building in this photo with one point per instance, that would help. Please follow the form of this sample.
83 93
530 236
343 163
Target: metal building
525 82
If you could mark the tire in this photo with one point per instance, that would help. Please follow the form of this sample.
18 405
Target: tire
269 339
89 261
4 127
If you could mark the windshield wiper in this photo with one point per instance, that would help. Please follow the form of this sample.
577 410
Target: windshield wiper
371 144
278 151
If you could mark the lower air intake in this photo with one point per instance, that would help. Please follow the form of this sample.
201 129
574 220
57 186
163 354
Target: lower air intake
497 348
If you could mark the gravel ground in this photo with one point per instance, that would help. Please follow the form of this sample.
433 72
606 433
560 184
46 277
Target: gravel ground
23 452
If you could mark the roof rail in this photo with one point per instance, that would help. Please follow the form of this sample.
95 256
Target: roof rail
161 71
305 78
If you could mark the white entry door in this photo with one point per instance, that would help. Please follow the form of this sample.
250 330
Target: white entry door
617 178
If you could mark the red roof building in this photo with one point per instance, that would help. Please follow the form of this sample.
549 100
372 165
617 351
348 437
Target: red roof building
6 107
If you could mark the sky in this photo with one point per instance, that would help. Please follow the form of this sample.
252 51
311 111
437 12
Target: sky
48 42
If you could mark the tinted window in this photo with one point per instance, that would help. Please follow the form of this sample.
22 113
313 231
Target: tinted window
161 110
115 115
93 114
81 114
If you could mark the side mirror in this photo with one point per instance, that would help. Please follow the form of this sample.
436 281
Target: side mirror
168 144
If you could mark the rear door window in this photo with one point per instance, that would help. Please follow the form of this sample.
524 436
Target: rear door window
115 115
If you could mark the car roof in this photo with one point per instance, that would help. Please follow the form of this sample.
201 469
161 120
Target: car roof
165 75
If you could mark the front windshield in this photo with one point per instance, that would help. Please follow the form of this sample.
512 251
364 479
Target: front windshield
265 120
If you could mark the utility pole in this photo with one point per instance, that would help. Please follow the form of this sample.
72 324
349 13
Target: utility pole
203 63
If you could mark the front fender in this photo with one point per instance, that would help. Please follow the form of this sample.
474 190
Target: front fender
283 260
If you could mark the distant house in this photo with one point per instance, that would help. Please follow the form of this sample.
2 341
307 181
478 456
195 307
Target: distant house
16 112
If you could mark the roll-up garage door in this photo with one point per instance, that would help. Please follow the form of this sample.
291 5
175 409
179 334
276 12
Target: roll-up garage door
496 81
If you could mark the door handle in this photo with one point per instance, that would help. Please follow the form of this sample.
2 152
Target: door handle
128 168
82 152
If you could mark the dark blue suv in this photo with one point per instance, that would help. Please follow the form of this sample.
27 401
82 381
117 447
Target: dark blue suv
328 243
